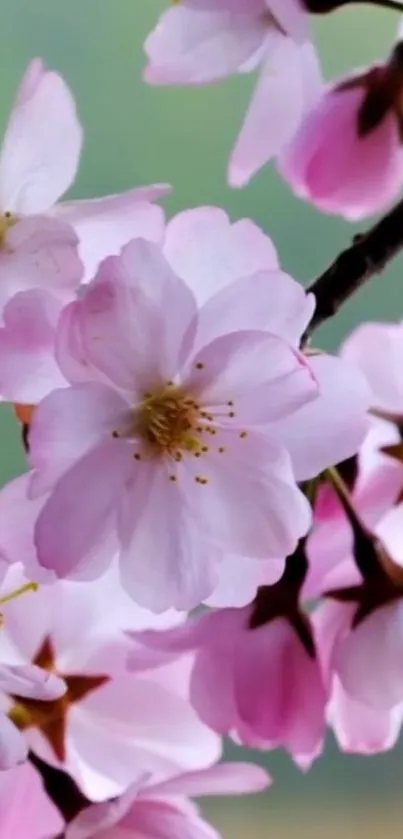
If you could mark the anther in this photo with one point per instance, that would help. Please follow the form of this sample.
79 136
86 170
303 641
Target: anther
137 456
173 478
232 414
199 366
221 450
243 434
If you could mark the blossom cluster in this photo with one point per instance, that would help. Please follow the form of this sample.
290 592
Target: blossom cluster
207 541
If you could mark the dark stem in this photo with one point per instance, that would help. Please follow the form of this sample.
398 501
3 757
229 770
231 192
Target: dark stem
368 255
324 6
63 791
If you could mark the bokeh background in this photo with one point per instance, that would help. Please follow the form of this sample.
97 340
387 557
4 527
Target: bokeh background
137 135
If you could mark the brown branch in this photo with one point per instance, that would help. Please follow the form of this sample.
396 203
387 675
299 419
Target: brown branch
368 255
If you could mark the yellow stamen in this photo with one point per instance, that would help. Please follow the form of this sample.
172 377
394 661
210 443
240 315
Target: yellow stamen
7 220
18 592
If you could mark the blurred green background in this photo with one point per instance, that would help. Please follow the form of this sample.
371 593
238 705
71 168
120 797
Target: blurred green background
138 135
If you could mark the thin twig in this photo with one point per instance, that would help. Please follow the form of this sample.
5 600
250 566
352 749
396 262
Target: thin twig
368 255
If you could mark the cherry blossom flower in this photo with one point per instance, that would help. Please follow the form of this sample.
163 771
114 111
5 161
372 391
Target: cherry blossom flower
109 720
256 679
161 419
25 809
346 156
200 41
174 406
163 811
39 160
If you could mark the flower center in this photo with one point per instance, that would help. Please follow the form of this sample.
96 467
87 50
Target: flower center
7 220
167 421
50 716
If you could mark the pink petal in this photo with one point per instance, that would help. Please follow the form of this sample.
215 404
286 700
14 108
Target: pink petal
77 520
41 253
271 301
124 330
257 373
274 113
13 748
239 578
67 424
376 349
165 559
369 659
41 146
30 681
209 252
18 515
69 349
25 809
164 736
163 819
221 779
28 368
250 504
279 691
191 46
330 428
292 17
212 689
105 225
360 729
96 819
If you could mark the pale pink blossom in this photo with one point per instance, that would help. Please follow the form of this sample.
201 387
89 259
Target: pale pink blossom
111 722
175 493
215 471
39 160
200 41
22 681
163 811
26 811
261 684
346 156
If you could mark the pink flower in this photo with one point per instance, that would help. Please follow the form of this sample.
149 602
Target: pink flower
28 682
110 721
131 362
180 425
346 156
39 161
163 811
201 41
260 682
25 809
